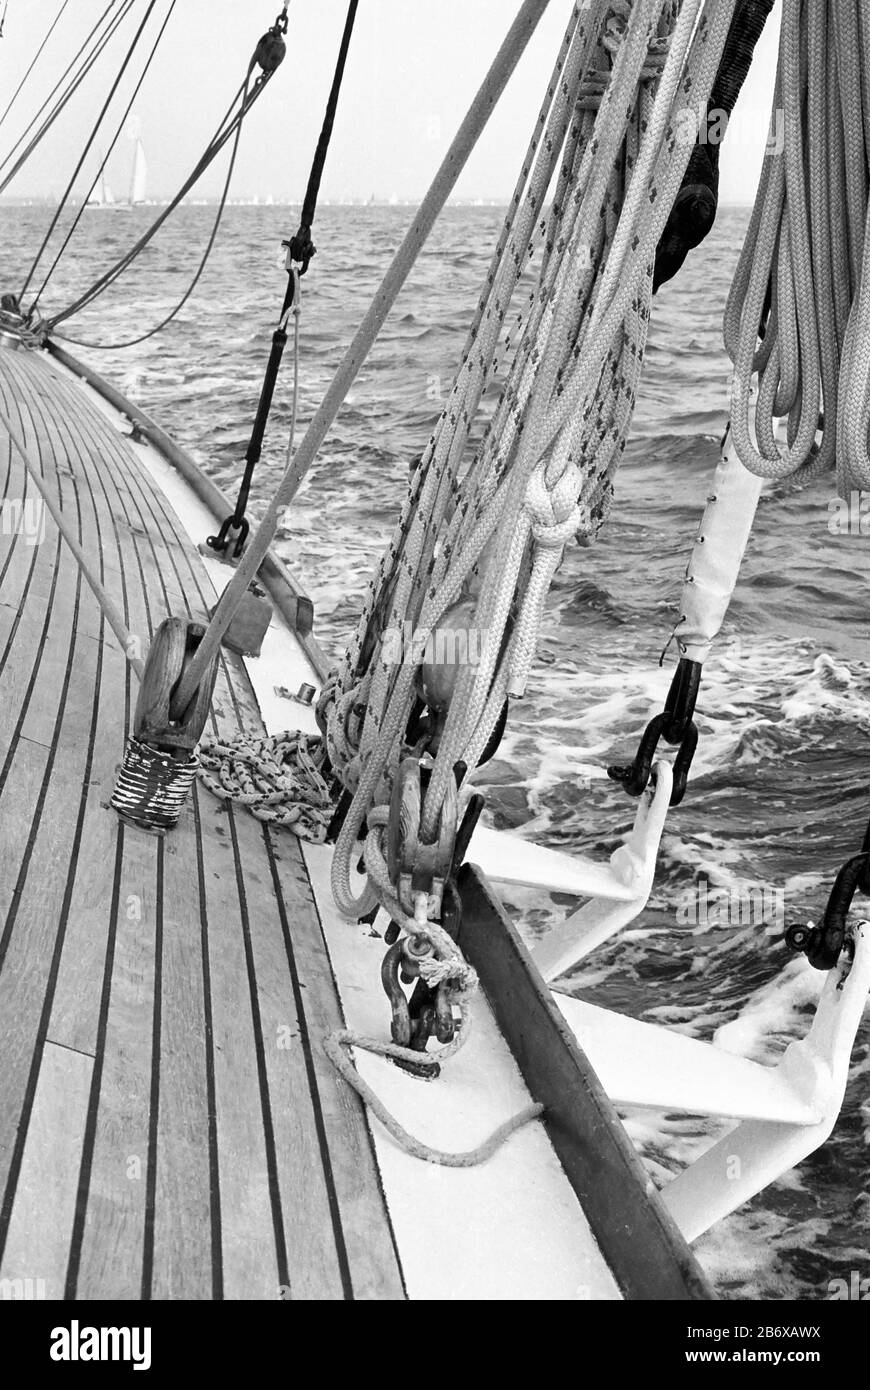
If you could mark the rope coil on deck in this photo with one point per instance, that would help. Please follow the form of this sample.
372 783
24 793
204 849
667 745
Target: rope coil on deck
280 779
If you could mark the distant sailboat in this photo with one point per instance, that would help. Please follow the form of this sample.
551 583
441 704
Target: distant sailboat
101 195
139 177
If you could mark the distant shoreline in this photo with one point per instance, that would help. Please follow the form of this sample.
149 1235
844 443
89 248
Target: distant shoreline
467 203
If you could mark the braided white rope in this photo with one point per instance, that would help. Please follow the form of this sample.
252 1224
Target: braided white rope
807 238
544 467
335 1048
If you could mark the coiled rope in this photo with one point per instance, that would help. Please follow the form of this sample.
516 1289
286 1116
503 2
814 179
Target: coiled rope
279 778
803 278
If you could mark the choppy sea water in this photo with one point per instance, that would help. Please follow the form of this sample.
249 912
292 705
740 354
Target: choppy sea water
780 792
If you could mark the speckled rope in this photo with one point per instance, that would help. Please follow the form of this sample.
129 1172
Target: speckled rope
806 240
279 779
568 394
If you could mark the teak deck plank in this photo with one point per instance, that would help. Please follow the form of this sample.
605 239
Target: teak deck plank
39 1232
311 1263
254 1215
294 1164
186 1171
36 827
112 1235
112 1231
156 1139
354 1171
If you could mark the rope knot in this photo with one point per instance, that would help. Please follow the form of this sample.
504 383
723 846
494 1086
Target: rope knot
615 30
554 512
454 971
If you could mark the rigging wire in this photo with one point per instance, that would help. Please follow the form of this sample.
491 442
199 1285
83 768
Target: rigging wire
109 276
229 128
442 185
300 250
76 220
84 154
34 60
99 48
301 247
143 337
268 55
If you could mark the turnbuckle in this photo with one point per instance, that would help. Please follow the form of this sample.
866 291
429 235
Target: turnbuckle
676 725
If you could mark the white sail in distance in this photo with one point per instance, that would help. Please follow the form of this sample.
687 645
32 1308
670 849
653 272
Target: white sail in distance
102 195
139 178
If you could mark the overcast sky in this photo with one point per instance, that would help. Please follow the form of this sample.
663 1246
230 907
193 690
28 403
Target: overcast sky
413 68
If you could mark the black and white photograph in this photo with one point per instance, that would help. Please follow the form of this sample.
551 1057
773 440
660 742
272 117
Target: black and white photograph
434 669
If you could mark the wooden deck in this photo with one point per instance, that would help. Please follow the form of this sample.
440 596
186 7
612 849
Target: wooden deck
167 1127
